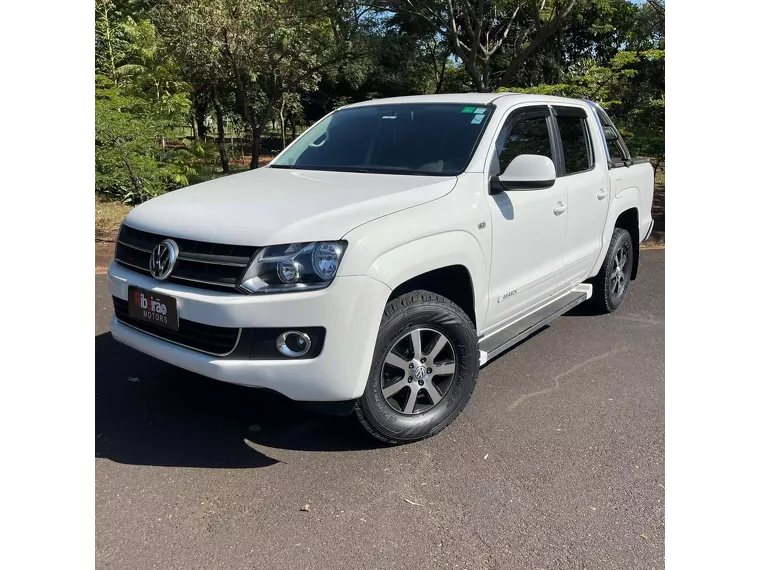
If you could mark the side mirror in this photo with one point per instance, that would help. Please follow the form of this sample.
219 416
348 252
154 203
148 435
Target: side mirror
526 172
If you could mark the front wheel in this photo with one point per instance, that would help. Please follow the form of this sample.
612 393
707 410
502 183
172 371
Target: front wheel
424 369
614 278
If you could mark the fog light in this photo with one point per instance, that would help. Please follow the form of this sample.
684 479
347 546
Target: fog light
293 343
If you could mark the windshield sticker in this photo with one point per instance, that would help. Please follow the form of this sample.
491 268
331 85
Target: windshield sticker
477 119
468 109
480 110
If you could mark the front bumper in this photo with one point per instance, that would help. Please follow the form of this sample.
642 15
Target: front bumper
349 309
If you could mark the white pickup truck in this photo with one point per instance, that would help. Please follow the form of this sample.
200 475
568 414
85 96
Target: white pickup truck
388 253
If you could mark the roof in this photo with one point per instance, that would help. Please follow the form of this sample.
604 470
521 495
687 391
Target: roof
465 98
475 98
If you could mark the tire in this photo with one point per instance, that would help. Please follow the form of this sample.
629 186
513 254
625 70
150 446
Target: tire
411 332
614 279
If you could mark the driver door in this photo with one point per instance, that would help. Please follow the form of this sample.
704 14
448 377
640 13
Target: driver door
528 226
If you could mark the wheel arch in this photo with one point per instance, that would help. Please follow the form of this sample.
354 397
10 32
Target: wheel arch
450 264
629 221
453 282
624 214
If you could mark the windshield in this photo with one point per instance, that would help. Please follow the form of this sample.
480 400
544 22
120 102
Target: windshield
435 139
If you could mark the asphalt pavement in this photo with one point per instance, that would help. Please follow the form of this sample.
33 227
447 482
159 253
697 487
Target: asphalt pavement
556 463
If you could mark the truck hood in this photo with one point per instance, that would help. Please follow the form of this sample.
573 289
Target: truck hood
271 206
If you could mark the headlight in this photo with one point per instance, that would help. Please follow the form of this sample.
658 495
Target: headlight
293 267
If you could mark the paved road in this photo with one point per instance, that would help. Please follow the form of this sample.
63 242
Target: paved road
557 462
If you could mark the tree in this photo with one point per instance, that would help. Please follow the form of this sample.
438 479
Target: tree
427 51
220 135
289 106
269 47
631 89
200 61
594 29
140 99
129 162
149 72
479 30
110 42
163 64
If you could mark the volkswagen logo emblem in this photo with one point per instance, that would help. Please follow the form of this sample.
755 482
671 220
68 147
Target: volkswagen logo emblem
163 258
419 373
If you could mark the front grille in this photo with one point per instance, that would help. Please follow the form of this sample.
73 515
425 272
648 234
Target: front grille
200 264
206 338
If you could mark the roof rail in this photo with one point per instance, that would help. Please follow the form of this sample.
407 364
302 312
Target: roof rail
500 95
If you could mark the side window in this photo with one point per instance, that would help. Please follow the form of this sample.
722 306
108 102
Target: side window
526 134
575 143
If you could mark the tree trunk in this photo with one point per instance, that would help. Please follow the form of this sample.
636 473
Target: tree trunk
292 128
282 123
439 82
199 104
111 59
202 131
255 149
250 119
135 182
475 75
220 133
257 132
542 34
232 141
486 76
195 128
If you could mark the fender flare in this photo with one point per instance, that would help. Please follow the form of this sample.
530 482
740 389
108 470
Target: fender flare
415 258
622 201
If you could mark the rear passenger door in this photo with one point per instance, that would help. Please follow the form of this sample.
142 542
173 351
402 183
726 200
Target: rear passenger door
584 174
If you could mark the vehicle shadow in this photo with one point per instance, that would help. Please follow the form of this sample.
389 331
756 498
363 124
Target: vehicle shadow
148 412
585 309
505 205
513 347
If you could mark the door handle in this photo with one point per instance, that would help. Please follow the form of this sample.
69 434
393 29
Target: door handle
559 208
602 194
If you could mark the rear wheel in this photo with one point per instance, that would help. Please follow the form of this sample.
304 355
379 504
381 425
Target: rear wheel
614 278
424 369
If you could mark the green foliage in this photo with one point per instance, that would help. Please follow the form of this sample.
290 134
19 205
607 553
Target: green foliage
628 89
262 70
110 40
140 100
130 162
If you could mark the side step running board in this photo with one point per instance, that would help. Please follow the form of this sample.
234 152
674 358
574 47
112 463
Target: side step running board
496 343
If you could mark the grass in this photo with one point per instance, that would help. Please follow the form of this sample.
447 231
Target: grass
108 218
